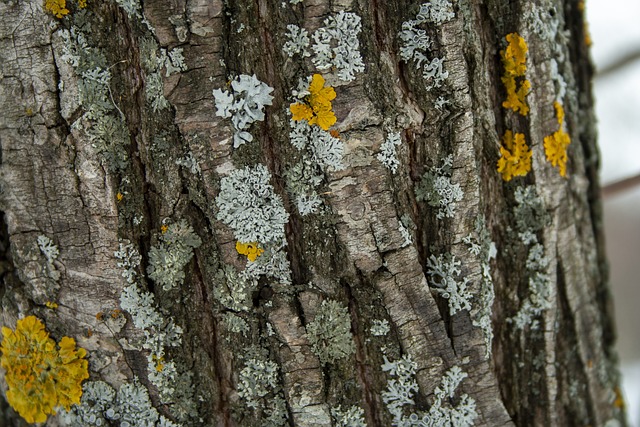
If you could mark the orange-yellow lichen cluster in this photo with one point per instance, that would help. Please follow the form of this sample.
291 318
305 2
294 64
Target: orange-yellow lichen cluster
40 376
515 157
251 250
58 8
317 107
514 59
555 145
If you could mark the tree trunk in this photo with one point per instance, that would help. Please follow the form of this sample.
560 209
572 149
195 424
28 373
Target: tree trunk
407 283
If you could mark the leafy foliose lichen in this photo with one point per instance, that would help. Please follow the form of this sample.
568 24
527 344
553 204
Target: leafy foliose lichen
330 332
515 156
48 248
316 107
350 417
173 252
102 406
555 145
437 189
249 205
415 43
443 412
444 271
244 104
336 45
485 249
388 156
515 66
40 376
298 41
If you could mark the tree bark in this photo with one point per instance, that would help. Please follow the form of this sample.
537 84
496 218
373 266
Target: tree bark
88 196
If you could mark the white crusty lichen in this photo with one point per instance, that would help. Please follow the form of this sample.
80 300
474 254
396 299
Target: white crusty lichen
350 417
324 149
132 7
388 155
380 328
171 254
244 104
531 217
101 406
233 290
336 45
189 163
257 379
437 189
330 332
259 388
48 248
485 249
302 179
298 41
128 260
444 275
402 387
249 205
415 43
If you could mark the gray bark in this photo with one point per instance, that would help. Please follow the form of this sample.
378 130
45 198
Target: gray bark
55 182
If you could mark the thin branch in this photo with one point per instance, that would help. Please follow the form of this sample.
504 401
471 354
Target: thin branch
619 64
620 186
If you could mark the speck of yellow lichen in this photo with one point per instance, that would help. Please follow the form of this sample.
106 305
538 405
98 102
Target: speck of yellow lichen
515 156
164 228
39 376
52 305
58 8
82 4
159 361
317 108
555 145
119 196
251 250
514 59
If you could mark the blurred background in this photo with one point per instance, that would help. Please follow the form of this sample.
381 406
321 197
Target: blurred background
615 31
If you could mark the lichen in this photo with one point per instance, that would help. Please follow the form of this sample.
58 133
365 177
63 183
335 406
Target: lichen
330 332
415 43
388 156
316 108
443 272
402 387
173 252
40 376
515 65
515 156
437 189
298 41
336 45
555 145
244 105
350 417
251 250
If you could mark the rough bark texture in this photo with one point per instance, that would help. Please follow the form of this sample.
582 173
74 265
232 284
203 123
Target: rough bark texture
56 183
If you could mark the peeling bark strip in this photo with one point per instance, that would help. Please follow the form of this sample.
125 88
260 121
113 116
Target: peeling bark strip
305 213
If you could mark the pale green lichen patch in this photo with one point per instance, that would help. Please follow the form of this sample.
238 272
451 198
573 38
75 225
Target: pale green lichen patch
330 332
437 189
171 254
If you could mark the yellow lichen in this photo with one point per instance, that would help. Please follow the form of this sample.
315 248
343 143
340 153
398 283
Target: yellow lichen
41 377
58 8
164 228
555 145
515 157
317 108
50 304
82 4
514 59
119 196
251 250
